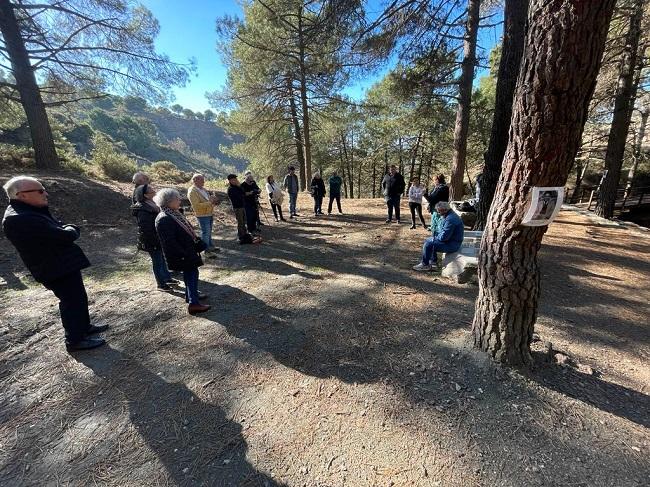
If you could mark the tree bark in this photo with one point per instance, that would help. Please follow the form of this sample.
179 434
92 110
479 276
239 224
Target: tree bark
636 155
563 49
300 155
512 48
30 94
623 103
464 100
306 133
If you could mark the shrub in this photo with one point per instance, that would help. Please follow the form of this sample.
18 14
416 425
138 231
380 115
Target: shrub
167 172
111 163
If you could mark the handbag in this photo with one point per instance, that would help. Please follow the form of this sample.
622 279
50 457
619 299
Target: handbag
199 245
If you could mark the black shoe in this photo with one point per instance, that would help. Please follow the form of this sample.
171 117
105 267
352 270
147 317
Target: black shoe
173 282
389 221
277 220
296 214
85 344
165 288
291 216
282 220
412 227
96 329
398 222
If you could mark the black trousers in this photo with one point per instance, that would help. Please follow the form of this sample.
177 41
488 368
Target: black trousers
393 204
318 203
333 197
418 207
277 210
73 305
251 218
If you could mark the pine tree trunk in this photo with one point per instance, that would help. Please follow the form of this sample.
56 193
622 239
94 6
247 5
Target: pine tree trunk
306 131
623 103
636 155
512 48
461 128
300 156
30 95
563 49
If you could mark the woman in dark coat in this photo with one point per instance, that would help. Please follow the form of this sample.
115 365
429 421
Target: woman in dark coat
318 192
145 212
180 245
252 192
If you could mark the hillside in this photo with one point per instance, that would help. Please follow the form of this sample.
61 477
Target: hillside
325 361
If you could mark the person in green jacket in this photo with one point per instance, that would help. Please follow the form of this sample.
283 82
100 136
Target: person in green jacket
335 192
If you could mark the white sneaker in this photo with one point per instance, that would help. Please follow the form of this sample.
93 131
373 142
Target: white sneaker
421 267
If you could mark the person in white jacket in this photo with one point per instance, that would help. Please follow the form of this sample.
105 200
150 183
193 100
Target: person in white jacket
275 198
416 191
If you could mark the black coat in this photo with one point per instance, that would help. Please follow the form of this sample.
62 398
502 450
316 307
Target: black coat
251 199
236 195
177 244
318 187
437 194
45 245
145 216
395 185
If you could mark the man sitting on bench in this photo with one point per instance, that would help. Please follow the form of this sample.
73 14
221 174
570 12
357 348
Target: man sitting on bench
446 237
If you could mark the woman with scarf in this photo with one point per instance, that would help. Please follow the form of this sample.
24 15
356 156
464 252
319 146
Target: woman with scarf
180 245
145 211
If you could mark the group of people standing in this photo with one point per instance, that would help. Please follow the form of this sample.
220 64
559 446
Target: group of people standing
169 238
446 227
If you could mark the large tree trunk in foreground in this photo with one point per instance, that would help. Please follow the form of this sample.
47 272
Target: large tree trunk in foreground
464 100
562 54
512 48
623 103
30 94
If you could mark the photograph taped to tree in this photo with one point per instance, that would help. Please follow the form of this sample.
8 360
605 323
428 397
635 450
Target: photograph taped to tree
544 206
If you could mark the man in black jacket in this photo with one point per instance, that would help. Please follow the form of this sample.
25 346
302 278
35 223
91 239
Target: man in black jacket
238 199
47 248
394 187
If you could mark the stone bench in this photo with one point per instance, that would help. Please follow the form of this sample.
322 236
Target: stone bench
462 265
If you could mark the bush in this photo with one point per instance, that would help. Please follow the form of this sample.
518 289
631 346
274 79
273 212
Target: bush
111 163
167 172
74 163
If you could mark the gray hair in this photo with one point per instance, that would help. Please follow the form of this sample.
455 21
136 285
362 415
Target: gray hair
14 185
140 178
196 176
443 205
165 196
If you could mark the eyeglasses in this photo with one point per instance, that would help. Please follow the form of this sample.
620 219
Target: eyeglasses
39 191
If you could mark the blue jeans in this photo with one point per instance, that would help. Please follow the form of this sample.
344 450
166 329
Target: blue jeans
293 199
393 203
191 279
160 270
431 246
205 222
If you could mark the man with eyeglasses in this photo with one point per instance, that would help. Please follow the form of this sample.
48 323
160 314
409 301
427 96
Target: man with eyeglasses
47 248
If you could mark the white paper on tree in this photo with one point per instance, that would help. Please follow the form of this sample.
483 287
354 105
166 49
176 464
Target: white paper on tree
544 206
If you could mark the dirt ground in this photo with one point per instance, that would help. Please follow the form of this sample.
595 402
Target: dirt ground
325 361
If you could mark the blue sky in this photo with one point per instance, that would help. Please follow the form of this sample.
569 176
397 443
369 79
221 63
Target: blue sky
187 30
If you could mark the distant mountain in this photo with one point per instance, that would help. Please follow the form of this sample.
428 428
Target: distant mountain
199 135
150 134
